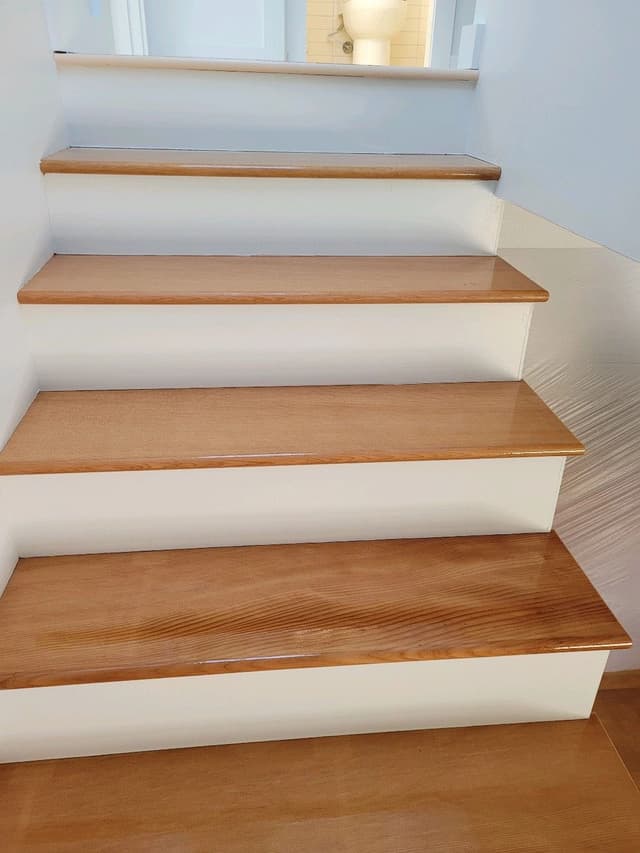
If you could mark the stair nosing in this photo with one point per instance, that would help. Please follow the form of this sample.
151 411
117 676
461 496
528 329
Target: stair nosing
278 280
266 164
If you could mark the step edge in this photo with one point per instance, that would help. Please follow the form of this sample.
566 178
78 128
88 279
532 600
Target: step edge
319 69
53 163
33 679
88 297
13 468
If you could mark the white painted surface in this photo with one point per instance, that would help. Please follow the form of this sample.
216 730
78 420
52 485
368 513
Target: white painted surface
228 29
29 129
296 30
135 108
79 25
444 16
141 346
136 214
129 23
131 511
8 555
55 722
584 361
556 106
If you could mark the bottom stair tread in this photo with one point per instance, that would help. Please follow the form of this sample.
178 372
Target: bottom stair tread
110 617
536 788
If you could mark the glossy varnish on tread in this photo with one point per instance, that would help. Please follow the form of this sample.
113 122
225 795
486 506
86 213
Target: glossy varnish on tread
537 788
80 431
266 164
220 280
112 617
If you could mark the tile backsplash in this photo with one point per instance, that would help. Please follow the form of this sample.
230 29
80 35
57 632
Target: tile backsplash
325 45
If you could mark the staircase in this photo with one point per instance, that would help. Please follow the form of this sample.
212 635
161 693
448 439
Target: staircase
284 480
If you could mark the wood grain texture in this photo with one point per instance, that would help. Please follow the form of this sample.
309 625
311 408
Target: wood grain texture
79 431
314 69
621 680
533 788
266 164
116 617
619 712
266 280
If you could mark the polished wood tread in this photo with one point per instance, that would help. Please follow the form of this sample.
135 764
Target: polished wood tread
537 787
266 164
81 431
268 280
155 614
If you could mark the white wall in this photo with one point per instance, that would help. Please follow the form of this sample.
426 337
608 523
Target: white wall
583 359
296 30
80 26
557 107
221 29
28 109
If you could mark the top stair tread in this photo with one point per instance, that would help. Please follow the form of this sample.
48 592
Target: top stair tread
266 164
490 789
80 431
220 280
111 617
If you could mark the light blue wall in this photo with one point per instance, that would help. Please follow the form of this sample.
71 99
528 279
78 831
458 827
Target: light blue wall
296 30
558 108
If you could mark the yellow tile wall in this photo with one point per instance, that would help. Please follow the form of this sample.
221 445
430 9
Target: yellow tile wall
407 48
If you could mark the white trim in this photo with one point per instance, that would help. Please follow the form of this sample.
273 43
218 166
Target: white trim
443 22
130 716
128 22
165 63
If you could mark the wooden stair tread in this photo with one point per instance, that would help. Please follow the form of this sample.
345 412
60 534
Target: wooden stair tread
492 789
266 164
222 280
80 431
114 617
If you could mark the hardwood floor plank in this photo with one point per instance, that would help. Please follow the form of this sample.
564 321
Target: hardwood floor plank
620 680
531 788
266 280
619 712
266 164
112 617
79 431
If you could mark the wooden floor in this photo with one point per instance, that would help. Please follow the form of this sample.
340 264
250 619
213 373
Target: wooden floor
112 617
271 280
618 708
267 164
80 431
537 788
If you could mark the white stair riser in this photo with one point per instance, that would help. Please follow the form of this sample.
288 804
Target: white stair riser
8 554
236 111
130 716
138 214
120 511
133 346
